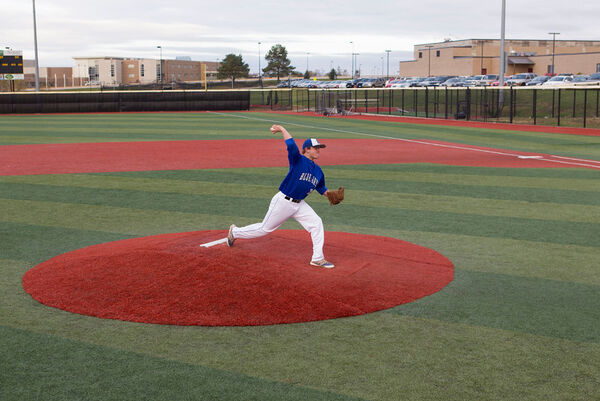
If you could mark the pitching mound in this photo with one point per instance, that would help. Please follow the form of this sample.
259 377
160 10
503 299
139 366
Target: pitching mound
169 279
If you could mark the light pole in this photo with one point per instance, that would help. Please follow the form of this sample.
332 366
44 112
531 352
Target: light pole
355 64
160 69
37 68
259 70
388 64
307 53
553 47
352 68
502 52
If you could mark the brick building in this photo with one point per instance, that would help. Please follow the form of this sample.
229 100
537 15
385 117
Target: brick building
113 71
482 56
50 77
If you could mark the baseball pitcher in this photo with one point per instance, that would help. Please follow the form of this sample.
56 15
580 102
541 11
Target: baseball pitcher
303 177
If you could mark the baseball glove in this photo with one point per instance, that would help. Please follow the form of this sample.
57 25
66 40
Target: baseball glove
335 197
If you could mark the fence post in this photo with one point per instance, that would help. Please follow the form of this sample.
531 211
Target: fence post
390 100
402 103
510 109
426 102
468 100
534 106
446 104
574 97
415 103
558 111
584 107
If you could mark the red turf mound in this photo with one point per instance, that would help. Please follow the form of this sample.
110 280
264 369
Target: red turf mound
169 279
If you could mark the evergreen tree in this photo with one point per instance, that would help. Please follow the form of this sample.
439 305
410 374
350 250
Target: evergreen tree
232 67
278 62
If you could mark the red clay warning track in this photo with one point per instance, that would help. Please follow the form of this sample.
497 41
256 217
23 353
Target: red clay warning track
183 155
169 279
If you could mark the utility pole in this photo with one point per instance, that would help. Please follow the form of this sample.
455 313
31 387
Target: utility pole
160 67
502 55
388 64
553 48
37 66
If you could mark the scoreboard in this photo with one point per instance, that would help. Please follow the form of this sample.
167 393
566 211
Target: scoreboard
11 64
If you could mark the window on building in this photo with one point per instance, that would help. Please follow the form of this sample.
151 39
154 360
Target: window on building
420 54
437 53
598 67
131 66
131 75
112 70
93 73
142 70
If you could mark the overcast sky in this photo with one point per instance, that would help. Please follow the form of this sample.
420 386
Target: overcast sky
315 32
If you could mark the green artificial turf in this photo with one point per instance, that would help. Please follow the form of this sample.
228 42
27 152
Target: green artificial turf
518 322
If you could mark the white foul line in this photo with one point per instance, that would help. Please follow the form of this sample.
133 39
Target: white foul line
424 142
213 243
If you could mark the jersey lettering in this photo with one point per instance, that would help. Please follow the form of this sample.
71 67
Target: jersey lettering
308 177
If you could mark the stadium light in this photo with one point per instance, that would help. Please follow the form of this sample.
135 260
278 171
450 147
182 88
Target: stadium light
160 65
37 67
502 52
352 67
388 64
259 71
307 53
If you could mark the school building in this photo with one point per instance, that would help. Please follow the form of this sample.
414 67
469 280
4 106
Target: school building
482 56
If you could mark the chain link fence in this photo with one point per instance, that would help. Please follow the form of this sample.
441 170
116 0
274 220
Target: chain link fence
575 107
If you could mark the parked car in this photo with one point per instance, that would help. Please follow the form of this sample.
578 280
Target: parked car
540 79
340 84
352 83
411 83
559 80
520 79
434 81
595 77
487 80
472 81
581 79
371 83
497 82
454 82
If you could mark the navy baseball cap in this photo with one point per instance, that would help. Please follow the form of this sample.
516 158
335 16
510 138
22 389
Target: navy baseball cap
312 143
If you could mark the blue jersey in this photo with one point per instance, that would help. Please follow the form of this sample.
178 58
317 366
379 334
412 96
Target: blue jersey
304 175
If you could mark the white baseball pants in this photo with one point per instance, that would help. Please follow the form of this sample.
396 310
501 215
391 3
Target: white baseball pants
281 209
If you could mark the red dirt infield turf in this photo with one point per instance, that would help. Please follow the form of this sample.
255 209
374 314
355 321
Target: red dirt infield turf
170 279
182 155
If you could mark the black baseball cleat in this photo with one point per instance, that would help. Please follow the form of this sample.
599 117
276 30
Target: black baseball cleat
230 239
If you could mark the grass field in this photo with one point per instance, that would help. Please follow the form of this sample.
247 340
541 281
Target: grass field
520 320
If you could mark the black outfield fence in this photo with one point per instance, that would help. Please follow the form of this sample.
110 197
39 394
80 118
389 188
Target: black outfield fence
86 102
576 107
